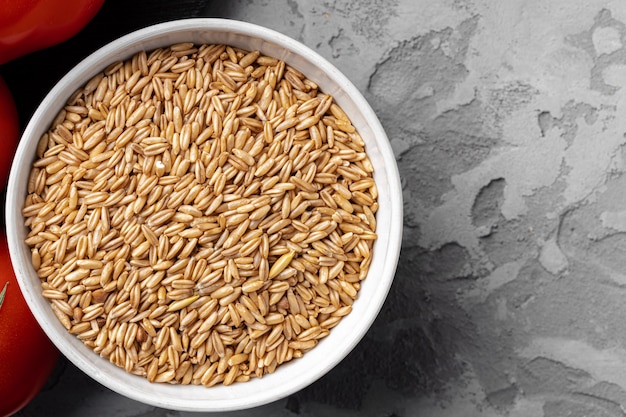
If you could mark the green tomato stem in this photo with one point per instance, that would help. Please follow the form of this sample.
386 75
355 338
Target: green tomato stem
3 293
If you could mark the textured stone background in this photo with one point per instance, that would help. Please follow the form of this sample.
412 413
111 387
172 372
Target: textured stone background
506 120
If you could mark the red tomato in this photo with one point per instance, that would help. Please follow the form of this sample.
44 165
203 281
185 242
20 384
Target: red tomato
30 25
9 132
27 356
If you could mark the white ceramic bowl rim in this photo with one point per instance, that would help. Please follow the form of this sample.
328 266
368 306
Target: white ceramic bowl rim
290 377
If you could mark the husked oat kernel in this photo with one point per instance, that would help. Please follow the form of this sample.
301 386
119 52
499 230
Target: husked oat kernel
201 214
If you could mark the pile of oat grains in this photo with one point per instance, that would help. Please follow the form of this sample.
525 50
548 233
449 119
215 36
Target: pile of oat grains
201 214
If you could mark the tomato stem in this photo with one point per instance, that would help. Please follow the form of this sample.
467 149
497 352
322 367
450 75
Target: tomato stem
3 293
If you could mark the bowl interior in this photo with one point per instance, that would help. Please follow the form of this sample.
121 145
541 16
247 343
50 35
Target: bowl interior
289 377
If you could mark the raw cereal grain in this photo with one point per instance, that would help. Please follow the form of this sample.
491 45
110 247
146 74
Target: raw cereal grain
201 214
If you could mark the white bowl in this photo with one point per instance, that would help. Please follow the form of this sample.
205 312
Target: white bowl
289 377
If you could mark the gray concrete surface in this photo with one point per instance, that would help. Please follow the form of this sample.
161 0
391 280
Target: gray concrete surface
507 120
